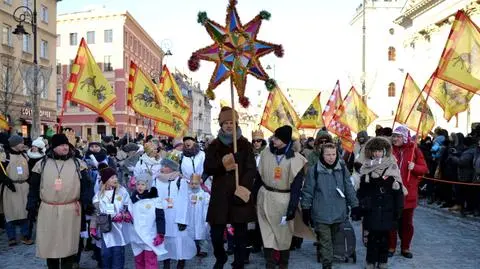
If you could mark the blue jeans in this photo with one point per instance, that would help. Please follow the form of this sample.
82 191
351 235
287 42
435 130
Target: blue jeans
113 257
12 231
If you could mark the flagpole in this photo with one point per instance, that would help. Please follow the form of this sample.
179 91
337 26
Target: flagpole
400 102
234 117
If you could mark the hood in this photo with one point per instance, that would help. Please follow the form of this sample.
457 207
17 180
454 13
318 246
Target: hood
378 143
439 140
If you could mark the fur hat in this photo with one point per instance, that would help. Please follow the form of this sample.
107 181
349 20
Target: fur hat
144 177
284 133
39 143
106 174
172 161
226 115
59 139
378 143
258 134
15 140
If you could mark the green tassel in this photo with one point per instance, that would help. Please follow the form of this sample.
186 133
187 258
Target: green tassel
270 84
202 17
265 15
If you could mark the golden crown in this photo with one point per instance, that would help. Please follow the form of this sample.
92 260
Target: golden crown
173 156
257 134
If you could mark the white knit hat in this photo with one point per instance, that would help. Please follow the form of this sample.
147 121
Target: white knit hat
39 143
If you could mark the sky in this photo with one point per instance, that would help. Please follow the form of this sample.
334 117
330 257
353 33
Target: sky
313 34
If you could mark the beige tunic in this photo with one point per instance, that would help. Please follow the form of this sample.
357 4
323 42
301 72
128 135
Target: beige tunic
272 206
14 203
58 223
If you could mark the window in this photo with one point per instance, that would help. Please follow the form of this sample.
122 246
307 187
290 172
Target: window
8 2
91 37
28 3
42 87
107 65
27 43
58 40
391 54
44 49
391 89
108 36
6 77
73 39
391 31
7 35
59 98
44 13
59 67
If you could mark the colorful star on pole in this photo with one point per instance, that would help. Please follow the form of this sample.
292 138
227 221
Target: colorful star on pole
236 51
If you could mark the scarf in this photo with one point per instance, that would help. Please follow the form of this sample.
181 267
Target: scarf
149 160
376 168
329 166
227 139
258 151
191 152
168 177
35 155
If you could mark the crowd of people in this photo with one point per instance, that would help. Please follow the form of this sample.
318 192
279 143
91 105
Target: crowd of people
168 199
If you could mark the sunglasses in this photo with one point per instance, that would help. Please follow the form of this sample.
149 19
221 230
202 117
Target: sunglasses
258 140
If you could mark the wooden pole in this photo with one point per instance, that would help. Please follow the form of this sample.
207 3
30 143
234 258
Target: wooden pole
234 117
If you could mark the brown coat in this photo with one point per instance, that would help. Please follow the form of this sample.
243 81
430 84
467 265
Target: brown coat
224 206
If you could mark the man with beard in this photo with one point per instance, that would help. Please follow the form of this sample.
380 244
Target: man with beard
59 186
226 208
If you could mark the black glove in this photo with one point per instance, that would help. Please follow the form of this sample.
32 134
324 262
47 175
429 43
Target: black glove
182 227
356 214
290 215
9 183
32 215
89 209
307 217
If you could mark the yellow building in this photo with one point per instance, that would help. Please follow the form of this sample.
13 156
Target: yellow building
16 64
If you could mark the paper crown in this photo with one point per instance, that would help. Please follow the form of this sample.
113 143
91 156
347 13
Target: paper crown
257 134
70 134
173 156
96 138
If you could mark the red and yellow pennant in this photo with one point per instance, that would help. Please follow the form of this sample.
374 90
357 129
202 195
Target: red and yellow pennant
87 85
172 97
411 106
451 98
312 118
460 61
143 99
279 112
333 104
354 113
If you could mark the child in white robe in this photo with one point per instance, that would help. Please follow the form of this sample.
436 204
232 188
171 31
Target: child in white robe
197 215
173 191
148 232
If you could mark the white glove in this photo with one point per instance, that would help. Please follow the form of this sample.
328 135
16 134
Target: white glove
411 165
94 160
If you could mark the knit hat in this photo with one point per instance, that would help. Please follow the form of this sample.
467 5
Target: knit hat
59 139
323 135
39 143
106 174
130 147
146 178
284 133
15 140
172 161
403 131
226 115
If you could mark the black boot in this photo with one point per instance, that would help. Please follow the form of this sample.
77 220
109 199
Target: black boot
319 256
181 264
246 259
166 264
284 257
269 261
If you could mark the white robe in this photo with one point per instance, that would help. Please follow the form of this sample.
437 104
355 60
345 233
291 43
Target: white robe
197 214
120 233
179 244
144 227
147 165
193 165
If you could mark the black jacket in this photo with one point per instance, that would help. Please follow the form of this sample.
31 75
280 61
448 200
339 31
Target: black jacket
380 204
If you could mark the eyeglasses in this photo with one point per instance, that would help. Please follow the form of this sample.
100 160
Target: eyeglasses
258 140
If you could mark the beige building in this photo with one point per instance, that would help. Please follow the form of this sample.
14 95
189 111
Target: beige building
16 65
114 40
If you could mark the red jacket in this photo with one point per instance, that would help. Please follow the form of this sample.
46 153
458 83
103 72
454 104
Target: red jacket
403 155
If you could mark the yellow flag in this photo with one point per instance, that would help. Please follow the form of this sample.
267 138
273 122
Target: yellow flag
3 123
451 98
87 85
460 61
172 97
279 112
177 129
312 118
410 108
354 113
107 115
142 97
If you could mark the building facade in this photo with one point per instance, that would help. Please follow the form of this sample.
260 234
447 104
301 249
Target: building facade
114 40
16 65
384 70
427 24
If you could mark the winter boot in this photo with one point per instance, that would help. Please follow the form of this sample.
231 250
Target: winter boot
181 264
166 264
284 257
269 261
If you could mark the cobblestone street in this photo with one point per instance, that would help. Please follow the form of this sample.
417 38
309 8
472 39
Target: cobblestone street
441 240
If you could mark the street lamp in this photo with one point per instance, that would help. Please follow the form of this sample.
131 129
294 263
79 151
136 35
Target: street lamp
24 14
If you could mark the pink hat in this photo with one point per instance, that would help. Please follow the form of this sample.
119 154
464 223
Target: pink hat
403 131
